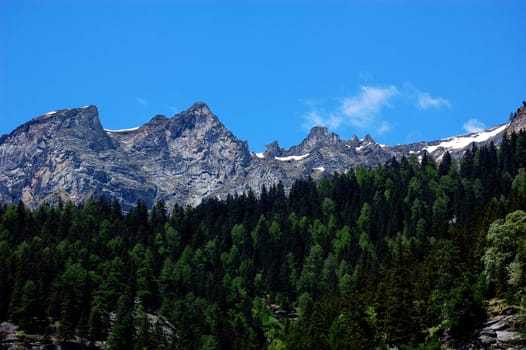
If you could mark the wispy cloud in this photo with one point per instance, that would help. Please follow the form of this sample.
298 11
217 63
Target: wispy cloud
365 110
426 101
142 101
318 118
474 125
361 111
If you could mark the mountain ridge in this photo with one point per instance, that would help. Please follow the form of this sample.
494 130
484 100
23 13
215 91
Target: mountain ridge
192 156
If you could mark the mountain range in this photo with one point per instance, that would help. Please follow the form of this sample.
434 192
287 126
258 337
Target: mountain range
187 158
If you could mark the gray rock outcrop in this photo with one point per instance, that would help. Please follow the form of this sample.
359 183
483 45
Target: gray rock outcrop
499 331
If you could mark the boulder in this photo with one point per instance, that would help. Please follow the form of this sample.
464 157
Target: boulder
508 336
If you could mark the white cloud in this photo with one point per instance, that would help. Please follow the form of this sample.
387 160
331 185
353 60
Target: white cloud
474 125
361 111
364 111
426 101
315 118
142 101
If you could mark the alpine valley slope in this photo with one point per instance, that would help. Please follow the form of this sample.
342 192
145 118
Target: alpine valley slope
68 155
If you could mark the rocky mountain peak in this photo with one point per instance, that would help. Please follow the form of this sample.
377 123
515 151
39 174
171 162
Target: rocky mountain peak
318 132
353 142
159 118
368 139
318 136
69 125
518 121
273 150
159 121
64 118
198 116
200 107
183 159
199 112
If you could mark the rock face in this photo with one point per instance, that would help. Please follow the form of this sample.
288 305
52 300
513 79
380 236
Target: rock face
68 155
518 121
499 331
185 158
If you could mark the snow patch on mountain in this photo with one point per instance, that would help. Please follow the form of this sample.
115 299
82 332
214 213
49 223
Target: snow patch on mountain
463 141
122 130
361 148
286 159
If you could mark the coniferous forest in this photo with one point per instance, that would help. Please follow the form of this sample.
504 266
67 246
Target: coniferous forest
399 255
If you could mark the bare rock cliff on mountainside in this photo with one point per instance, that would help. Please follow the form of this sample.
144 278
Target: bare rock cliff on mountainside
68 155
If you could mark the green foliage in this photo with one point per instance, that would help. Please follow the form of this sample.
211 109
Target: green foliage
366 259
504 258
122 330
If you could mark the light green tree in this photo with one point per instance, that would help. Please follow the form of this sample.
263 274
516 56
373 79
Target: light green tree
503 259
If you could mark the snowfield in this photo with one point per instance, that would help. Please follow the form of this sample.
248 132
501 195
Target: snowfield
465 140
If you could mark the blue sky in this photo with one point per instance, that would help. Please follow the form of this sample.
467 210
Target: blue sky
402 71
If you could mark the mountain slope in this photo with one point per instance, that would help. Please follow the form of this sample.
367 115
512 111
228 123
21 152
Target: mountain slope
184 159
66 154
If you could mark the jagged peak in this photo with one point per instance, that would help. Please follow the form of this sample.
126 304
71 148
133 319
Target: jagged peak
318 131
82 115
319 134
518 122
198 111
354 141
159 118
273 150
89 108
83 109
368 138
200 107
81 123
